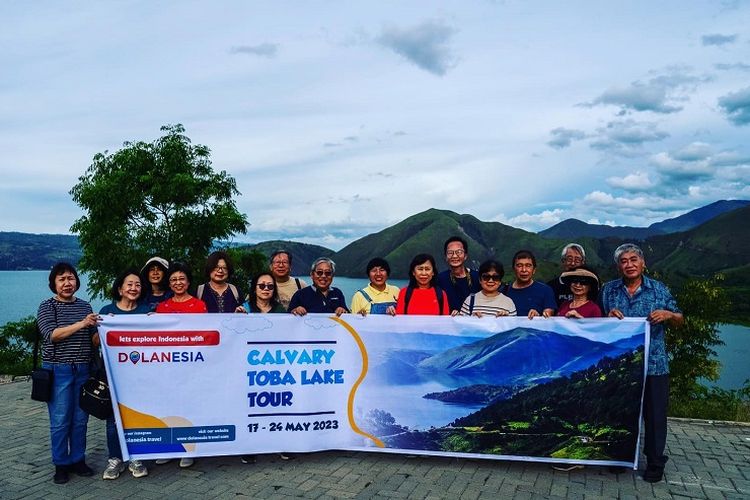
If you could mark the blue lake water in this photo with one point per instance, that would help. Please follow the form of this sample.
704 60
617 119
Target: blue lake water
22 291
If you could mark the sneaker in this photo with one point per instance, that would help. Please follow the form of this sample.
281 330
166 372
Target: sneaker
137 468
247 459
162 461
81 469
61 474
186 462
115 466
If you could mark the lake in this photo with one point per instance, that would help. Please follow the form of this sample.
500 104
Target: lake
22 291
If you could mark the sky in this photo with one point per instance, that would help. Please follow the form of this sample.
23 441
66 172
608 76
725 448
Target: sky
340 118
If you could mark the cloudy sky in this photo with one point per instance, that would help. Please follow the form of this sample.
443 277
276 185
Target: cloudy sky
340 118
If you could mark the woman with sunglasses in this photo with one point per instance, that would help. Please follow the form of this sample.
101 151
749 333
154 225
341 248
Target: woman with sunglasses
489 301
263 296
584 285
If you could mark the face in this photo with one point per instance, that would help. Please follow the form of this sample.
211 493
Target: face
280 266
322 276
178 283
378 276
155 274
131 287
220 273
65 285
580 289
572 259
455 255
524 270
490 281
264 287
631 265
423 273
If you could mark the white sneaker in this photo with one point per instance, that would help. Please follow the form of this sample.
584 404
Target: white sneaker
137 468
162 461
186 462
115 466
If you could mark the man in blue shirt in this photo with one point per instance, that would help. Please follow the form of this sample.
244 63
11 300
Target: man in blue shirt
458 281
636 295
320 297
531 298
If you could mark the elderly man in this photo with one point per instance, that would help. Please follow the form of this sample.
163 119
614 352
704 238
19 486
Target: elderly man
281 268
532 298
572 256
321 297
640 296
458 281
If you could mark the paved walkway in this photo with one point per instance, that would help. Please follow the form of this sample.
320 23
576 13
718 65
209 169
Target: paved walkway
708 460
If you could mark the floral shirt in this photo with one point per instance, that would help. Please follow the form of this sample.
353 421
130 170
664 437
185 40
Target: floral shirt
650 296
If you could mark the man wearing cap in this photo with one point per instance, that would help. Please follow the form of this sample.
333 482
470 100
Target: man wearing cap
572 255
638 295
320 297
155 282
281 268
458 281
378 297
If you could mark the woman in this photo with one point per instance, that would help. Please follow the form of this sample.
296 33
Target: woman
378 297
489 301
126 292
154 281
263 296
66 326
422 295
584 285
219 295
179 277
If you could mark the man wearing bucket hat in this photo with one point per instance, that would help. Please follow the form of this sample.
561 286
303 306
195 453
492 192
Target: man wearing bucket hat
154 280
584 287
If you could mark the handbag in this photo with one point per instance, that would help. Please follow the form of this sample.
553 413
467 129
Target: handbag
41 378
95 398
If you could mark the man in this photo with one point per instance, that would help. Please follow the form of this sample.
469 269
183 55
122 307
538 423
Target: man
281 267
378 297
640 296
531 298
572 256
321 297
458 281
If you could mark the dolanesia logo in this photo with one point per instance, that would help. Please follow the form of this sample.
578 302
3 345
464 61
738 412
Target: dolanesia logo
160 357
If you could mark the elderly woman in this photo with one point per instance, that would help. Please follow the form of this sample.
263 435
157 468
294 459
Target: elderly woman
489 301
422 295
584 286
263 296
637 295
378 297
126 293
219 295
66 326
320 297
154 282
179 277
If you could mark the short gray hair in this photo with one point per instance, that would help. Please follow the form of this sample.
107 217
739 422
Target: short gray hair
321 260
625 248
573 246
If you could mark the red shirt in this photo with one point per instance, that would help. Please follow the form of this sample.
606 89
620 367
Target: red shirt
587 310
192 305
422 301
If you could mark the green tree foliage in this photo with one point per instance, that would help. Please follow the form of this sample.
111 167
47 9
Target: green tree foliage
17 346
159 198
247 263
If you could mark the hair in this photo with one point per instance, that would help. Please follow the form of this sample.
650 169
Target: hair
145 282
524 254
321 260
253 293
625 248
213 260
279 252
121 280
421 259
179 267
378 262
454 239
573 246
489 265
593 292
59 269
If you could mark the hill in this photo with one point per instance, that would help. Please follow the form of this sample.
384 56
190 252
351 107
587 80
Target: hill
22 251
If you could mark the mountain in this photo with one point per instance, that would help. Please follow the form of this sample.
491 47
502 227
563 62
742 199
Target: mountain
574 228
303 254
21 251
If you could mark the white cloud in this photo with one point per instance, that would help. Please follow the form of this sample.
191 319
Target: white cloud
638 181
533 222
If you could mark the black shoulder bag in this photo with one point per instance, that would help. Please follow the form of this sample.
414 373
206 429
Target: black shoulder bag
41 378
95 398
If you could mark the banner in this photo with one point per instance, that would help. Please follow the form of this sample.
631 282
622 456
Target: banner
555 390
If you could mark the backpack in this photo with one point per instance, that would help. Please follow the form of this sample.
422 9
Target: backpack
410 291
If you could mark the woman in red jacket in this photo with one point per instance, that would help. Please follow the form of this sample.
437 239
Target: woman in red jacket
422 295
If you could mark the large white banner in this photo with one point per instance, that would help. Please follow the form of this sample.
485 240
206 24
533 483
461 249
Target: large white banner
557 389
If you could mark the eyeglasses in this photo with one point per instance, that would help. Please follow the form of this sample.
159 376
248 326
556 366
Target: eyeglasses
221 268
280 263
573 260
579 282
320 274
491 277
177 280
457 253
266 286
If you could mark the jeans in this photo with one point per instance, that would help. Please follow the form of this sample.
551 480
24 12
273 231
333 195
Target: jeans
113 440
67 422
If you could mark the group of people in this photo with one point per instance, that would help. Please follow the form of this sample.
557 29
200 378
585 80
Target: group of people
68 326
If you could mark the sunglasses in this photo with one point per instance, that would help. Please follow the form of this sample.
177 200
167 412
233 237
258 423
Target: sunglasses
320 274
580 282
266 286
491 277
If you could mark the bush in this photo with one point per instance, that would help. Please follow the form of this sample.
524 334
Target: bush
17 346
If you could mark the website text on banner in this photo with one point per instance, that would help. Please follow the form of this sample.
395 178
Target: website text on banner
555 390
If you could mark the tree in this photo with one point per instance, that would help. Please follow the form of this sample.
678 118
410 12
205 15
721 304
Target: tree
247 263
160 198
17 346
